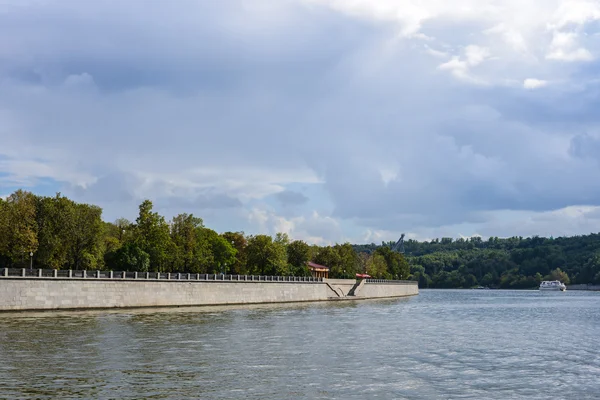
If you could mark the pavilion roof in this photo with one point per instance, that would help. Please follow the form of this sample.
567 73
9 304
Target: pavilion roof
314 265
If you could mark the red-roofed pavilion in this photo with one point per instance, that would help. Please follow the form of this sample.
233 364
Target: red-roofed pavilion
318 271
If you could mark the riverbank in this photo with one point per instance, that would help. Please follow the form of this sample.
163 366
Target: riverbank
35 290
591 287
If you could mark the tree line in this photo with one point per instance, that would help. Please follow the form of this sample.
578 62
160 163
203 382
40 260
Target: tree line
64 234
509 263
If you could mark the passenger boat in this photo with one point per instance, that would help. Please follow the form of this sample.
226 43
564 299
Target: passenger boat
553 285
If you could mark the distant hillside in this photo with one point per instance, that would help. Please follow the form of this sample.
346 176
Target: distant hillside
514 262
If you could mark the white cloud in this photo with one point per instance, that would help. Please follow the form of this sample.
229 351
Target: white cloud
460 67
408 15
511 36
314 228
532 83
567 221
229 104
575 12
564 48
435 53
579 54
529 32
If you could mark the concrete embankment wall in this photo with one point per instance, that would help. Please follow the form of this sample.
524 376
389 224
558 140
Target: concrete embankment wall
341 287
47 291
28 294
378 289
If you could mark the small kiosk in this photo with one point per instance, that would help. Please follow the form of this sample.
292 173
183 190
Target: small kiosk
318 271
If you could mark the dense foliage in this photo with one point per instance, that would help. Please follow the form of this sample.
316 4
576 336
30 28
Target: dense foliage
514 262
63 234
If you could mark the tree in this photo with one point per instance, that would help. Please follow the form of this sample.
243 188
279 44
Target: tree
298 255
417 273
184 230
239 242
130 257
376 266
223 252
558 275
54 220
152 236
329 257
266 257
4 226
397 266
282 238
349 261
85 230
363 259
18 227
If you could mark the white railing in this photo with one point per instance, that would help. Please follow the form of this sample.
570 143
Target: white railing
24 273
391 282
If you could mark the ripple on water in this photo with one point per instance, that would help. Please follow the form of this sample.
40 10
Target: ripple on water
459 344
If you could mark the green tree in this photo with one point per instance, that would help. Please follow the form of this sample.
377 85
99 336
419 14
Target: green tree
396 265
184 230
376 266
54 219
85 234
18 227
282 238
239 242
4 226
266 257
558 275
298 253
223 252
153 237
417 273
349 262
130 257
329 257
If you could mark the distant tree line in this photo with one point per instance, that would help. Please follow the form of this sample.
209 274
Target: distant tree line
63 234
511 263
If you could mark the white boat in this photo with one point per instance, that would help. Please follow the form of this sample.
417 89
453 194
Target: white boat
553 285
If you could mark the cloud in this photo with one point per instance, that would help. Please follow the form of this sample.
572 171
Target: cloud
564 48
289 197
568 221
532 83
414 119
460 67
313 228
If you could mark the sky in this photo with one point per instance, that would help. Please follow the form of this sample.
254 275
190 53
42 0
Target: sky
329 120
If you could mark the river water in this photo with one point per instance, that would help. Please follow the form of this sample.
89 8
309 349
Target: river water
442 344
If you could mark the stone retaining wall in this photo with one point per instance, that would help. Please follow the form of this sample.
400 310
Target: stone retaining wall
388 289
46 291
